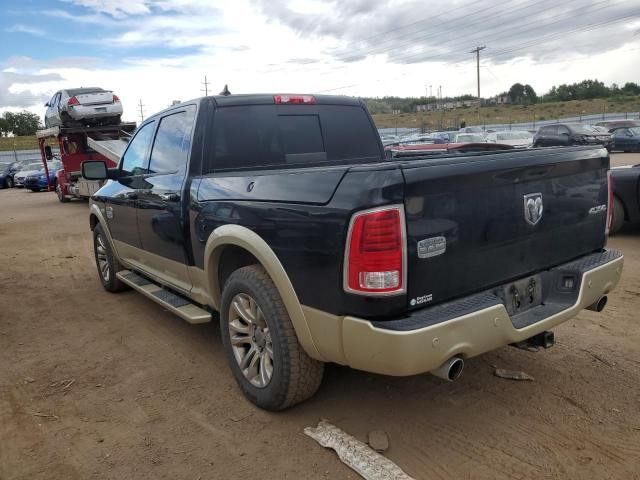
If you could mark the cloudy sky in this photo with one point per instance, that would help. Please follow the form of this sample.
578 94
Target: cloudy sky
160 50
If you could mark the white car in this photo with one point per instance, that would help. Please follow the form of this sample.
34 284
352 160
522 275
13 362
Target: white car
515 138
82 106
469 138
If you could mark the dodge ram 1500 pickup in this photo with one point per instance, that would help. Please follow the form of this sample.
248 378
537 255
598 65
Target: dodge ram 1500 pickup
281 217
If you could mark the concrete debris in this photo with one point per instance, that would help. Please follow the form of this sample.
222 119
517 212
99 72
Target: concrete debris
512 375
378 440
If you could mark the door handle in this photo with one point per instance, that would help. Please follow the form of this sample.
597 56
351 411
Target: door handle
170 197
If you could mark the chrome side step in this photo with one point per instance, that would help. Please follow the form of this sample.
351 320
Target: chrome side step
173 302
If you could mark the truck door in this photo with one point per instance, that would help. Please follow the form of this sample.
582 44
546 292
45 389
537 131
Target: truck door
120 195
162 218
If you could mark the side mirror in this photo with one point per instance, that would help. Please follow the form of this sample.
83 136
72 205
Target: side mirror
46 104
95 170
565 134
47 152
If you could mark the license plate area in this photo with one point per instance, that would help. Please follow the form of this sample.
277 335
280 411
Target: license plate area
521 295
101 109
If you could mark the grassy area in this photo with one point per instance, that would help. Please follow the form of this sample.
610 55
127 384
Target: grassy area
18 143
507 113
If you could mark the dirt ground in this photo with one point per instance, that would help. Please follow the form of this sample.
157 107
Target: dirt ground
101 386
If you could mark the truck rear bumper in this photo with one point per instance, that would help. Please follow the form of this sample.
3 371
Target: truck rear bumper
466 328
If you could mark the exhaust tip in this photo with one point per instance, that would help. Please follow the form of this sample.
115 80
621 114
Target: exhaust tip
450 370
455 369
599 305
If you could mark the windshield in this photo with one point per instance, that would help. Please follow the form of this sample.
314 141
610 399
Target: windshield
469 138
635 131
584 129
513 135
4 166
33 166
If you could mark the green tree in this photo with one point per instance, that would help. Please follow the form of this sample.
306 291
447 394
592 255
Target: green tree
631 88
516 93
4 127
530 97
22 123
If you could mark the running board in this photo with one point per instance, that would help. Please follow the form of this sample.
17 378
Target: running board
173 302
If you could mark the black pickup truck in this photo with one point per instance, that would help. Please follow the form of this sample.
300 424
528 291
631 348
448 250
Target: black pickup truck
281 216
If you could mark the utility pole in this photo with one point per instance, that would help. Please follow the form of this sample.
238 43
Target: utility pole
141 111
477 52
206 87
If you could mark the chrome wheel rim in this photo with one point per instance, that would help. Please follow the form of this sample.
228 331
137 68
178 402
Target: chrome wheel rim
101 256
251 340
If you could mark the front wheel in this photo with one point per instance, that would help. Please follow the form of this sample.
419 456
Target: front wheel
9 182
265 356
106 262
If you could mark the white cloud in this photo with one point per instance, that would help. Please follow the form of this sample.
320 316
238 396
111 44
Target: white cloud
20 28
254 51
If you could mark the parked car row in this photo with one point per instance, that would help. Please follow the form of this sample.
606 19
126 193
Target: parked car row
28 175
620 135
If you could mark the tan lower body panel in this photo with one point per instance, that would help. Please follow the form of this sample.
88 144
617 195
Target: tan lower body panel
158 268
355 342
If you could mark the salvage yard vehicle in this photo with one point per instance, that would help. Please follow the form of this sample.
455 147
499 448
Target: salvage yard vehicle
627 139
78 144
515 138
41 179
28 169
282 213
562 134
626 200
75 107
7 173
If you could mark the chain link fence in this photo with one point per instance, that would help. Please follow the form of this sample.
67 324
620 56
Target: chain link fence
24 156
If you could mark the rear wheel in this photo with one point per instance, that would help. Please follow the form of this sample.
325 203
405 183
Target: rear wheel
9 182
106 262
265 356
618 216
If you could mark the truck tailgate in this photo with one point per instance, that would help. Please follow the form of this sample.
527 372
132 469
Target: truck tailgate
482 220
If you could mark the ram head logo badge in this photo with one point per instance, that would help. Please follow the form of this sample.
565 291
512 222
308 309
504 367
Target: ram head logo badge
533 208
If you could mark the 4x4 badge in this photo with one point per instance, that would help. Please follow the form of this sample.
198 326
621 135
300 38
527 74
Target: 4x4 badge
533 208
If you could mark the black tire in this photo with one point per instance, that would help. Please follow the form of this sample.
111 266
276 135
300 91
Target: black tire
8 182
34 190
110 282
618 216
61 197
295 376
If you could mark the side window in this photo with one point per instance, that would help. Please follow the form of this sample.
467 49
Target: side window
562 130
52 102
172 144
621 132
134 159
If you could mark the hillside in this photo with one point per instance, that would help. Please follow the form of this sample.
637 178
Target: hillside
508 113
18 143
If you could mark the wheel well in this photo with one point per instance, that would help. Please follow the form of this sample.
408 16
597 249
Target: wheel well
93 221
231 259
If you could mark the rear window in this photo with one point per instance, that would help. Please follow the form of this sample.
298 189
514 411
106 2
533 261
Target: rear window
256 136
82 91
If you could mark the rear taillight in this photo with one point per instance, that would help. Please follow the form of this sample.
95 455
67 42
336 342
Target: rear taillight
294 99
115 98
375 261
609 202
73 101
